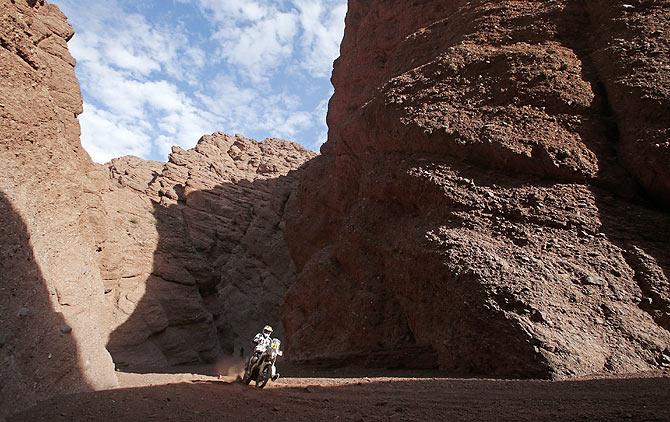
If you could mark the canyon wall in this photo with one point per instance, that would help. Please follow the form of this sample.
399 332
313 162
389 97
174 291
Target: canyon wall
52 307
134 265
490 200
193 256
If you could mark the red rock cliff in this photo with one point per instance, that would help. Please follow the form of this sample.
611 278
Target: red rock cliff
490 197
192 252
157 264
52 307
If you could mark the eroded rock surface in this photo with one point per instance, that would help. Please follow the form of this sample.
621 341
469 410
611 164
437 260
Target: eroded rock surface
156 263
194 259
52 308
491 191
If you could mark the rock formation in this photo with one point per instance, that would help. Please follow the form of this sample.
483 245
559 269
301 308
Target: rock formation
194 259
156 263
52 307
492 200
490 196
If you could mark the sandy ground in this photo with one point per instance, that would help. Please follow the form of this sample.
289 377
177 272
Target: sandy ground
196 397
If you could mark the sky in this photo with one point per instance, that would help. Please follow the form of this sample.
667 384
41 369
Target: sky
158 73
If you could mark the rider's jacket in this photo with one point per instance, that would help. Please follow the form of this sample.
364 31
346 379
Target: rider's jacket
261 340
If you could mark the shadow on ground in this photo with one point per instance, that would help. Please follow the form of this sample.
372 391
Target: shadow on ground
371 399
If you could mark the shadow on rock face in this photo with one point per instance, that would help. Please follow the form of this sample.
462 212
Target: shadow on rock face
220 271
38 355
632 210
511 264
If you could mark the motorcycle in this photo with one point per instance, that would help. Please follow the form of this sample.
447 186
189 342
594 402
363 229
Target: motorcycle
261 364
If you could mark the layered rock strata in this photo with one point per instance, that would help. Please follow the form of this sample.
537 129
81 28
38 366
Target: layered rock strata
492 190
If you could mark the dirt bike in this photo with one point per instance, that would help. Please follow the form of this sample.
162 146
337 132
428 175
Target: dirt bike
261 364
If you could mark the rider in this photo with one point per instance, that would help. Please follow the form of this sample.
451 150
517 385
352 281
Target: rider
262 341
263 338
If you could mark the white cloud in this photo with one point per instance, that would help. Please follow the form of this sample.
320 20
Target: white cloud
106 136
224 10
260 36
320 116
148 86
260 47
129 42
240 108
323 26
126 59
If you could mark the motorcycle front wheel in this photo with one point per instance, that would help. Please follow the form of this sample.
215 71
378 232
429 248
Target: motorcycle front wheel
263 377
246 379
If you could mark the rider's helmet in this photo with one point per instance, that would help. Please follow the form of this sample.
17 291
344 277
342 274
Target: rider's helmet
267 330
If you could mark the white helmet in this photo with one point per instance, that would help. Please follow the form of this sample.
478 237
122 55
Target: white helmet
267 330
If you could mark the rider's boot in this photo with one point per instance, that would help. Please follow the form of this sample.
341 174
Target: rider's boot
275 377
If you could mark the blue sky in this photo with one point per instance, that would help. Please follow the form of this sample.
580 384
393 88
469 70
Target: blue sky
158 73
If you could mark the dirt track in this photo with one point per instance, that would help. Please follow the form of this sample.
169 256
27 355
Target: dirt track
186 397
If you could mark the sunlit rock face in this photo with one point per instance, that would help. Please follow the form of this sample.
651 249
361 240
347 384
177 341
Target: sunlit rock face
131 265
490 198
490 201
52 306
193 255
